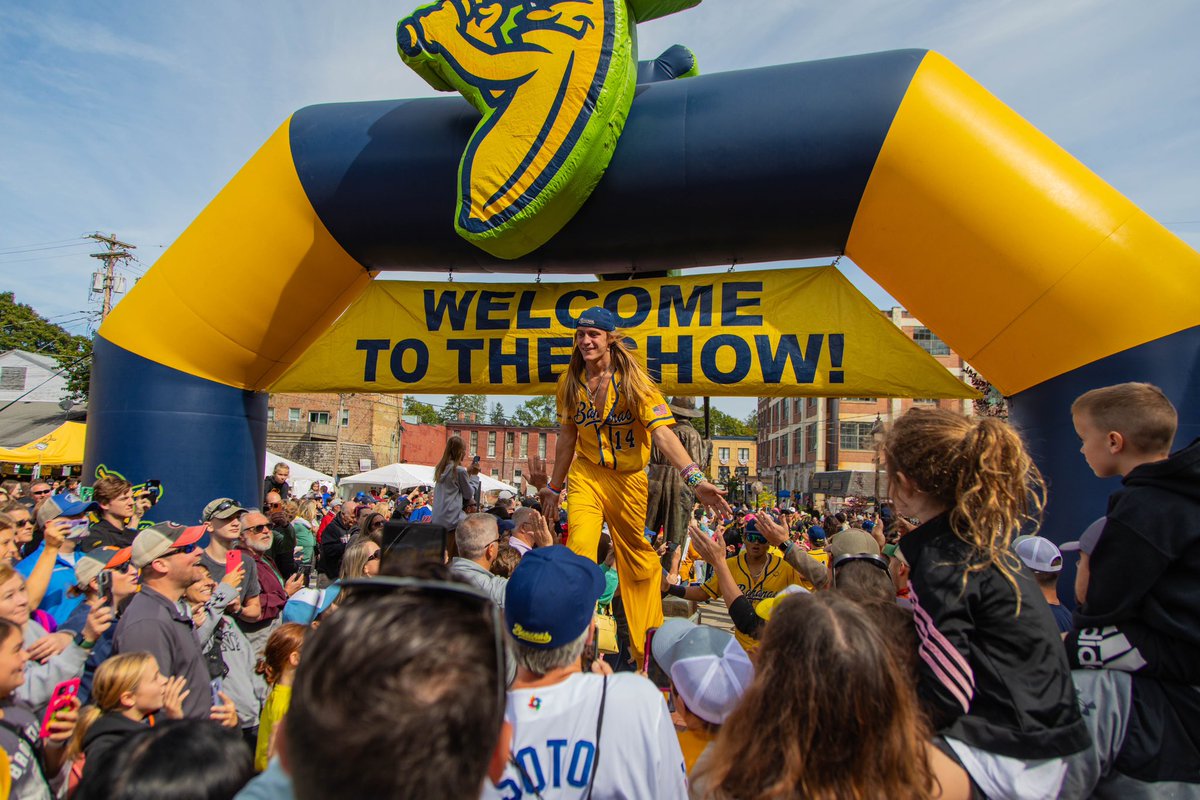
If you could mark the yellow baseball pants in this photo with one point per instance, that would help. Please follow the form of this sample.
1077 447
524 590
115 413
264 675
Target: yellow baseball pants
596 495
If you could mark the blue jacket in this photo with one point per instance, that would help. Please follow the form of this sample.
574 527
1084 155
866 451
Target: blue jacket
56 603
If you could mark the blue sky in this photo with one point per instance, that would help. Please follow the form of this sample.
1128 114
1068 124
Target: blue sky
128 117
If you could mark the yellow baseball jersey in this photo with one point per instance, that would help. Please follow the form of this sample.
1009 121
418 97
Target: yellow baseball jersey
616 437
776 576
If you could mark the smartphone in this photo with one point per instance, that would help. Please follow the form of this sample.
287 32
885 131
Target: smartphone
590 653
105 586
413 542
60 699
475 460
153 490
233 560
77 529
306 573
215 685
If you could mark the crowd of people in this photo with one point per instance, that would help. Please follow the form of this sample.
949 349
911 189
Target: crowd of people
302 648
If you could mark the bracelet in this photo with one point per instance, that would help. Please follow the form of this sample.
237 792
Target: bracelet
552 488
691 469
677 590
87 644
695 479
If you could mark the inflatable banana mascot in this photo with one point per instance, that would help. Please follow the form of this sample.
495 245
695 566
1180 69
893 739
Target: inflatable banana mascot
554 80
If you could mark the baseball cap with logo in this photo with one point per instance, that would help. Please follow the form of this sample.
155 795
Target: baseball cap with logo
708 668
1038 553
551 597
222 508
64 505
156 541
598 317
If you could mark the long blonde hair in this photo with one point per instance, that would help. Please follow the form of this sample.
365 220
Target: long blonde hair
635 381
453 454
979 468
114 677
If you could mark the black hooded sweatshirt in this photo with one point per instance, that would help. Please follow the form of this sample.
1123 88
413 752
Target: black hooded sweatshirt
1145 575
106 738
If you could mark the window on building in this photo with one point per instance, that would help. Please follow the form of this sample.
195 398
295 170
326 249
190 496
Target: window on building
318 417
541 445
495 473
857 436
293 415
859 400
516 474
812 405
811 434
474 442
783 411
509 438
270 413
932 344
796 404
458 433
924 401
492 447
523 452
797 442
12 378
345 422
723 453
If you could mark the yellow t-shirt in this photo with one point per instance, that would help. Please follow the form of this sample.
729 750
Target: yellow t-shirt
616 436
273 710
693 743
777 575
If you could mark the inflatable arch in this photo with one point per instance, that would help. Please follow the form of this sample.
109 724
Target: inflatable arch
1040 274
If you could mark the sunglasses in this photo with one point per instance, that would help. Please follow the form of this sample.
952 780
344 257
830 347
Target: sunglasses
363 588
24 522
260 528
187 549
374 556
42 493
755 538
274 505
225 506
870 558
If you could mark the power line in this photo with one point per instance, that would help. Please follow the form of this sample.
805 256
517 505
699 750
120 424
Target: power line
41 258
75 239
37 249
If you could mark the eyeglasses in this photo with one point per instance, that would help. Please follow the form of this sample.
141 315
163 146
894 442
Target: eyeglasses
24 522
361 586
374 556
42 493
274 505
870 558
755 538
187 549
260 528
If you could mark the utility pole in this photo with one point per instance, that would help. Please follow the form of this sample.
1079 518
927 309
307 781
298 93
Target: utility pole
337 439
105 282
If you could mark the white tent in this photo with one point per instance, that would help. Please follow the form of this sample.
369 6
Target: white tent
301 478
397 476
405 476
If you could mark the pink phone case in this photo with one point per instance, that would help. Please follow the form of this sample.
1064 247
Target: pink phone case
233 560
61 698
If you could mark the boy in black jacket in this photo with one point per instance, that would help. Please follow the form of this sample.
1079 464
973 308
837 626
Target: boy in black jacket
1141 605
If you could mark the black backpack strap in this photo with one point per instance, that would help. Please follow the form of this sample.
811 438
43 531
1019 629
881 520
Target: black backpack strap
599 727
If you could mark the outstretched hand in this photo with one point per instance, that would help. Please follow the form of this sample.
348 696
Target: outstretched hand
712 498
774 532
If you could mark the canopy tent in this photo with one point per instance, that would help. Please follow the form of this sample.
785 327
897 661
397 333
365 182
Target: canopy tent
404 476
301 477
60 447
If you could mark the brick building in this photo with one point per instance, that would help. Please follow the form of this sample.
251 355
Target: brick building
363 430
826 446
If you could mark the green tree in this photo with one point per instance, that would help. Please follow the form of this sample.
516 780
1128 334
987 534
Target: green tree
22 328
728 425
427 413
497 417
467 405
541 412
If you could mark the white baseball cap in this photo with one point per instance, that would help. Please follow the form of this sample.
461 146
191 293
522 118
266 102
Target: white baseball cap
1038 553
708 668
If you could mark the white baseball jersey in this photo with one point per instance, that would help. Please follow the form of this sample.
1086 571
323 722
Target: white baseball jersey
554 733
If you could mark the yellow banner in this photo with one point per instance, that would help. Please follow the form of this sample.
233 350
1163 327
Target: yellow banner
790 332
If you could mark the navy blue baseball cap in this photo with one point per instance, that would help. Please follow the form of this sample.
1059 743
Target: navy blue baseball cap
598 317
551 597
